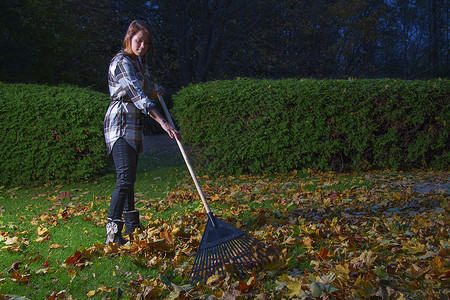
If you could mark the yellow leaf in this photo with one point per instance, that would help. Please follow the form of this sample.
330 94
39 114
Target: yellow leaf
437 264
307 241
367 257
42 231
105 289
43 234
42 271
154 261
44 218
294 288
342 272
11 241
152 292
365 288
90 293
213 279
85 252
415 271
215 197
290 240
111 248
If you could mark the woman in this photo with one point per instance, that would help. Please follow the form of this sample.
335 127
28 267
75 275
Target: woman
129 84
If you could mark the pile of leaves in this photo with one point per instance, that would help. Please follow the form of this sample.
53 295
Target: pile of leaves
340 236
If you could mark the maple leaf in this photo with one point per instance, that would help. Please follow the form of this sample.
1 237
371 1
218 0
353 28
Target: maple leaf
365 288
77 260
19 277
91 294
366 258
296 289
11 240
43 234
318 289
112 248
167 236
151 292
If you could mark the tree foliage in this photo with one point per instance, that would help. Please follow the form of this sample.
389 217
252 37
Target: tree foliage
72 41
55 41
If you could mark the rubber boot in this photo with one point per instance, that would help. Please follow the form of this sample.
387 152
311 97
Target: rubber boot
131 221
114 232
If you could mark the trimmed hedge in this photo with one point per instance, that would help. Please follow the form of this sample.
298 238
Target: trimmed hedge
50 133
247 125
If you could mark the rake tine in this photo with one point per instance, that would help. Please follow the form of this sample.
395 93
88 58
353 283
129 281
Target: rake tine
198 269
237 259
215 260
226 254
222 259
193 271
248 255
261 249
260 256
208 265
250 242
227 250
219 260
202 269
203 273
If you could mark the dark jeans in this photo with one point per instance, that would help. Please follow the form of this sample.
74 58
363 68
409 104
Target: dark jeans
125 160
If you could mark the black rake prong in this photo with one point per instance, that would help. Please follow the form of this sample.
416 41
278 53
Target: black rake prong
223 244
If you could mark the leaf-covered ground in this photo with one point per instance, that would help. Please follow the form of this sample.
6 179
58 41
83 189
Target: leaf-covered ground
378 235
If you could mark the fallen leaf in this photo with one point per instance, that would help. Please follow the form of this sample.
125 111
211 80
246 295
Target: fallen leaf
213 279
43 234
15 266
90 294
55 246
11 240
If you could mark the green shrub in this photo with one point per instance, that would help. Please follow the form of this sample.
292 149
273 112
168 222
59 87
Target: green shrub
248 125
50 133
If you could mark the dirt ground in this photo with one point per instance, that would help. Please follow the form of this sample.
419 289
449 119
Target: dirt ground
158 143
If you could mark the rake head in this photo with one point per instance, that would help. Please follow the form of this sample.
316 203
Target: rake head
224 248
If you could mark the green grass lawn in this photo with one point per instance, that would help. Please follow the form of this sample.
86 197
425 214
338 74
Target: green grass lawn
360 235
74 216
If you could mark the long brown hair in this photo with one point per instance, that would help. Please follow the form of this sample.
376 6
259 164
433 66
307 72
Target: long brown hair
134 28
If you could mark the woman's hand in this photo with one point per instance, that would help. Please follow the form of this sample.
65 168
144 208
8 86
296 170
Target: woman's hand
159 91
173 133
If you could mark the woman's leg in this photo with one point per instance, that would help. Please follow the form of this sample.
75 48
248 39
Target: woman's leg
125 160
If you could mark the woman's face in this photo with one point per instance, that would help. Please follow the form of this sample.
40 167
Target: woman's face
140 43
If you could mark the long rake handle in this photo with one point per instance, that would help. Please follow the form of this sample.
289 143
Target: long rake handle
186 159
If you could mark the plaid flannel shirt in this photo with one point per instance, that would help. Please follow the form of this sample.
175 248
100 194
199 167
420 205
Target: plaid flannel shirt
128 88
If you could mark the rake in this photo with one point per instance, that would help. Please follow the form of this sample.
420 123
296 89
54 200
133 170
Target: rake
223 248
